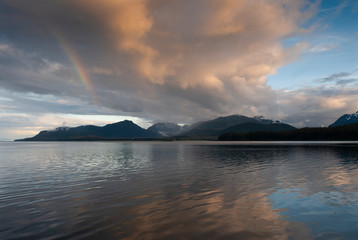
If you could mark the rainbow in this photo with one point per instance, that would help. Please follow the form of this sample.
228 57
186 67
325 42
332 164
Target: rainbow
77 64
71 54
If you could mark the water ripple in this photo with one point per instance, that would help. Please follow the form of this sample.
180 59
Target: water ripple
133 190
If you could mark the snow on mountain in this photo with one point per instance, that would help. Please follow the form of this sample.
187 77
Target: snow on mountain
346 119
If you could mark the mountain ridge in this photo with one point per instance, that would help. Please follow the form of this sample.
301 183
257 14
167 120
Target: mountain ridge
123 129
223 124
165 129
338 133
345 120
255 127
240 126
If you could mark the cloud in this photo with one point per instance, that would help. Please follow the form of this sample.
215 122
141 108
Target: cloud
104 71
178 61
336 10
345 82
30 72
335 77
323 47
211 59
339 79
315 106
129 22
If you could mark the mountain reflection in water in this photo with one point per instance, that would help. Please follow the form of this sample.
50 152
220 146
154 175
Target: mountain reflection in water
178 190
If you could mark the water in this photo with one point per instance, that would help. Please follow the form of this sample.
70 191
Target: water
178 190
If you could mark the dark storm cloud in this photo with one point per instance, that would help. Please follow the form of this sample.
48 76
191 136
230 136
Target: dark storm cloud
30 72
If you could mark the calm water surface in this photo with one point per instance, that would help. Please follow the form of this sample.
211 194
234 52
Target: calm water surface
178 190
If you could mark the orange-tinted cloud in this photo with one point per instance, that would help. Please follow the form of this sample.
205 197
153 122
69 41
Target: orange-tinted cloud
128 23
212 46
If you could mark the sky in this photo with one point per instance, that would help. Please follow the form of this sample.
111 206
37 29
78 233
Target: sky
79 62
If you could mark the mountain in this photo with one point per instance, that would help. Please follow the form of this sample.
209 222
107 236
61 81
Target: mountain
235 123
167 129
124 129
339 133
258 127
212 127
346 119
